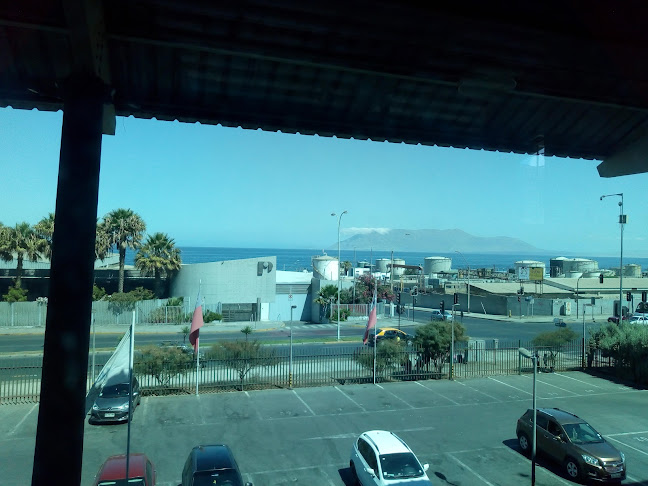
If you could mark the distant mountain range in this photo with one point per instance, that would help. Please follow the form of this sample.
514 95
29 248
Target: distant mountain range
432 240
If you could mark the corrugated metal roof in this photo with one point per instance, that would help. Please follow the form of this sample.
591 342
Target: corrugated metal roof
498 76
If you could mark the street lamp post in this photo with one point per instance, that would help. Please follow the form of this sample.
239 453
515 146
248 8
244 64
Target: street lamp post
462 256
534 357
622 221
577 282
338 276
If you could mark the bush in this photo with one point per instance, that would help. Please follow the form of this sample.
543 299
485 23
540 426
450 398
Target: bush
344 315
175 302
163 363
166 315
554 339
125 301
15 294
98 293
211 316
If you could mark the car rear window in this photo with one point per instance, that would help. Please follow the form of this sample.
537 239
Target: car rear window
222 476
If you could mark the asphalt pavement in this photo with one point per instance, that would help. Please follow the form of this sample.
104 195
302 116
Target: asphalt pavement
216 327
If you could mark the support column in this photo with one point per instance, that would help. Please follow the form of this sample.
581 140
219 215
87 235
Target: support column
62 411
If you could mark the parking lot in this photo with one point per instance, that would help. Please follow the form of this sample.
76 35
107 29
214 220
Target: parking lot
464 429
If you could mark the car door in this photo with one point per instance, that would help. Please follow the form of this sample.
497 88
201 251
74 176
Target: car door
555 445
542 436
365 460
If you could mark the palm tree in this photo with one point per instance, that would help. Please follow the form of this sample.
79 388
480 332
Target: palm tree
125 229
158 256
102 241
20 242
45 231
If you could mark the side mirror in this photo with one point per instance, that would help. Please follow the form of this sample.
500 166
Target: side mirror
370 471
426 467
248 484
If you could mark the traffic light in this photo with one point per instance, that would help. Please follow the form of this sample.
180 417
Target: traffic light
399 298
644 296
456 298
442 306
601 278
629 296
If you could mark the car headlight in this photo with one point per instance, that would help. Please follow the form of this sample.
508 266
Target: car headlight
622 456
95 406
590 460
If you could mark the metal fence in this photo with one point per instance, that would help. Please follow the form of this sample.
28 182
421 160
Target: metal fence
300 366
33 314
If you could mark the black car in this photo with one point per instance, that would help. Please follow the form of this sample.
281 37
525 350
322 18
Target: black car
113 402
211 464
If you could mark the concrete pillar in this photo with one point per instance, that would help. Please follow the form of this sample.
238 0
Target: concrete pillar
61 415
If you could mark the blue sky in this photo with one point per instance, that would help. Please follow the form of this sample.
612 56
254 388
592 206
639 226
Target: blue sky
215 186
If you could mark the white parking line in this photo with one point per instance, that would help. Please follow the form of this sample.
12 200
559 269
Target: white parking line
506 384
470 470
352 400
305 404
13 431
517 454
636 481
434 391
626 433
555 386
576 379
396 396
479 391
628 446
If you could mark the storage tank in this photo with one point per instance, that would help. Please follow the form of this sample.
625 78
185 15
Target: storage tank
556 266
523 267
632 270
382 264
436 264
363 264
579 265
325 267
399 271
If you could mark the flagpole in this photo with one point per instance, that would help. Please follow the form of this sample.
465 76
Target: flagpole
198 338
375 328
130 392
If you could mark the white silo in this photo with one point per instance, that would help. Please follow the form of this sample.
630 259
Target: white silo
325 267
399 271
382 264
436 264
632 270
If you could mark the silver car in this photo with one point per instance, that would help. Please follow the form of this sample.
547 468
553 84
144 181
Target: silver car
113 402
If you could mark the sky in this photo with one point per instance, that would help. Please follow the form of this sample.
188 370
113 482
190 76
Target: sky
209 185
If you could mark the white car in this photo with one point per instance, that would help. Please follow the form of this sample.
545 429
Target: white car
437 315
638 319
381 458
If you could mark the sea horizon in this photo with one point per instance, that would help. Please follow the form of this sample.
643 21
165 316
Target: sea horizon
300 259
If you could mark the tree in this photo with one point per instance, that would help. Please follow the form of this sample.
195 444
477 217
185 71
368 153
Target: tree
389 355
243 356
347 265
102 241
627 344
125 229
15 294
554 339
247 330
163 363
434 341
185 332
326 296
45 231
365 286
158 256
20 242
98 293
125 301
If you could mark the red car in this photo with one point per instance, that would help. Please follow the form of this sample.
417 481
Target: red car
615 319
141 471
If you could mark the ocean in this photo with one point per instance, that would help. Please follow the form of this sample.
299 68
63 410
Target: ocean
300 259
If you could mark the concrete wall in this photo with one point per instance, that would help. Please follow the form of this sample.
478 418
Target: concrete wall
228 282
280 308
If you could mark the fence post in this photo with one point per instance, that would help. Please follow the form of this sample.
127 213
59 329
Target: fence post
11 306
519 358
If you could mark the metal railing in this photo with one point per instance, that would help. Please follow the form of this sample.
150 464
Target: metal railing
308 366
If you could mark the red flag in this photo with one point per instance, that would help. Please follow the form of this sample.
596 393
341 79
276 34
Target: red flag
371 323
196 323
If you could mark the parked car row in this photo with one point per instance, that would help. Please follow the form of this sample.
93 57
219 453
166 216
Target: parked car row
206 465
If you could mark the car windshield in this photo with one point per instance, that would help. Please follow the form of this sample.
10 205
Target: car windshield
400 465
114 391
123 482
582 433
227 477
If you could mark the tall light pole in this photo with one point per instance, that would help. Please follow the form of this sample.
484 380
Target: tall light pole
339 262
577 282
462 256
622 221
534 357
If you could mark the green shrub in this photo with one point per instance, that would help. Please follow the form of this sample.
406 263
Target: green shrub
554 338
175 302
166 315
125 301
211 316
15 294
98 293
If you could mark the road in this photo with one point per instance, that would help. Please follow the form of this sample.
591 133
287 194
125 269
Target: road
475 328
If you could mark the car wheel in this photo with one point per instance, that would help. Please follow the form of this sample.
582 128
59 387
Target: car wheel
573 469
354 474
525 445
